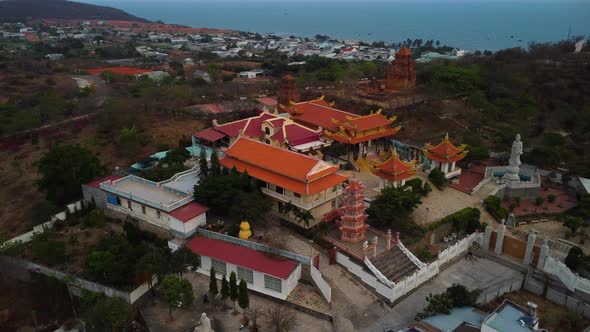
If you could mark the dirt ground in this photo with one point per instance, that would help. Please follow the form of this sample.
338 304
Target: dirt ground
18 173
552 317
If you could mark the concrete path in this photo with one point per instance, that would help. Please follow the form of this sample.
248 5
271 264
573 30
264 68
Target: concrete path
481 274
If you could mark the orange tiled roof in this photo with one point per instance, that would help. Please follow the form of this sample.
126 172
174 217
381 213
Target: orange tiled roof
346 136
318 113
445 151
394 169
293 171
371 121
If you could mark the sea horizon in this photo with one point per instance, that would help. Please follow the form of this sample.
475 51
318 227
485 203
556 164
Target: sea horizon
470 25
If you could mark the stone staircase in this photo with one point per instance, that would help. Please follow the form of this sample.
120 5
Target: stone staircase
486 190
394 264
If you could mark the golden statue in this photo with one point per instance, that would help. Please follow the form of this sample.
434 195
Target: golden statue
245 232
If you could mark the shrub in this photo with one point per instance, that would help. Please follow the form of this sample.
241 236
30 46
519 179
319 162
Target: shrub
425 255
438 178
492 204
49 252
539 201
551 198
465 220
574 257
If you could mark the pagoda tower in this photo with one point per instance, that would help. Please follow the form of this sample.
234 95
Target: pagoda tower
287 92
353 209
400 74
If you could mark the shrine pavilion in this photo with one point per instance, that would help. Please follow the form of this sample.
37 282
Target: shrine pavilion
445 155
353 225
360 133
394 172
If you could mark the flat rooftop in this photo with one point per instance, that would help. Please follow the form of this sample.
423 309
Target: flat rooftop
147 192
185 183
507 318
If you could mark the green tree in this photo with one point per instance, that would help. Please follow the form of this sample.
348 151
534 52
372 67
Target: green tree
233 288
436 304
250 205
203 163
183 259
573 223
49 252
107 313
574 258
243 297
461 296
64 169
220 192
215 166
176 156
438 178
42 212
99 265
224 288
152 264
392 209
178 292
212 284
130 140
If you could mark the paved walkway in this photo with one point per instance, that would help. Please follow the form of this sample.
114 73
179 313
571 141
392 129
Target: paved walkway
481 273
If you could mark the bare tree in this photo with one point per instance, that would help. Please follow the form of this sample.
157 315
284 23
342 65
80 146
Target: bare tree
280 319
254 313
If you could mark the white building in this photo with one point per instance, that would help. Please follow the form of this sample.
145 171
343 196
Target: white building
251 73
167 204
265 273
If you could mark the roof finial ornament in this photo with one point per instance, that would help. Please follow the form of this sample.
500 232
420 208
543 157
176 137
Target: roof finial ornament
394 153
447 136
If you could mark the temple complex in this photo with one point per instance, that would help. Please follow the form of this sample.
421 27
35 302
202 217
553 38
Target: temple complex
400 74
445 155
360 133
353 225
287 92
394 172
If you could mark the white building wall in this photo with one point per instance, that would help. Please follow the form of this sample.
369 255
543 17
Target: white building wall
150 215
258 278
187 228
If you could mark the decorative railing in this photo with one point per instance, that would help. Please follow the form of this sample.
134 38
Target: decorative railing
410 255
569 278
378 273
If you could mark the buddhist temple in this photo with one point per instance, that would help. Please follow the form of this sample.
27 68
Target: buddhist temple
400 74
287 92
445 155
362 134
353 225
394 172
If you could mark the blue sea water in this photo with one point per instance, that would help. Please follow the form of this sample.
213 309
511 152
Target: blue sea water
471 25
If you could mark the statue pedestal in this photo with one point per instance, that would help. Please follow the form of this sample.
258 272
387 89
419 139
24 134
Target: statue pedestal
511 175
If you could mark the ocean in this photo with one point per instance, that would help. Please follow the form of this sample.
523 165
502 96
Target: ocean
471 25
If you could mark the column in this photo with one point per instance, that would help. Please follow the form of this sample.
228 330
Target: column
453 166
487 237
500 239
543 255
389 239
530 245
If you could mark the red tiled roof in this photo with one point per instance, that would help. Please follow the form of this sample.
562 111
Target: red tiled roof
295 134
251 127
345 137
319 114
394 169
209 135
445 151
188 211
268 101
129 71
296 172
96 183
242 256
368 122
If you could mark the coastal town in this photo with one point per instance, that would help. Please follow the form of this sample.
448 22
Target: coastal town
159 177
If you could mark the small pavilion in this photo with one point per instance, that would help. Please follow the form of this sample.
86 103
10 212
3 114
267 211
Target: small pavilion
394 172
445 155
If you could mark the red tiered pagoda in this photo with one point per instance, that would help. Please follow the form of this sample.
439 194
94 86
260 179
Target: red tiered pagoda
353 220
400 74
394 172
444 156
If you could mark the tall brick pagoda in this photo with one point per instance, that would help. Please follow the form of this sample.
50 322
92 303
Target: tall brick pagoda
400 74
287 92
353 208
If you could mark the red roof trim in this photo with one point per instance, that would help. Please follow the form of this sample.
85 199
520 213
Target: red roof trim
245 257
96 183
188 211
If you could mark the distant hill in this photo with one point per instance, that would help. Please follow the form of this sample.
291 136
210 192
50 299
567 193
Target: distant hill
19 10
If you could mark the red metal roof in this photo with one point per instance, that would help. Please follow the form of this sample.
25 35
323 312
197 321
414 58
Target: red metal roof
251 126
188 211
295 134
245 257
209 135
96 183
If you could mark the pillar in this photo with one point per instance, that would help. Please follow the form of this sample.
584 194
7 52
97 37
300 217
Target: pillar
543 255
530 245
500 239
389 239
396 238
487 237
453 166
375 242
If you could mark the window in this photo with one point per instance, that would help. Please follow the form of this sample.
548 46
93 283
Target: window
245 274
158 214
267 141
280 190
129 205
143 209
334 188
297 195
219 266
272 283
267 130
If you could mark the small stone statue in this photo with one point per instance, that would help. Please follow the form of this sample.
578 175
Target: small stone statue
204 324
513 169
